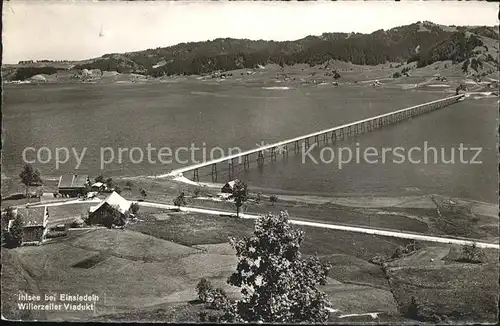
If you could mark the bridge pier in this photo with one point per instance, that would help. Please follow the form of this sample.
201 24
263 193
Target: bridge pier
230 168
246 163
273 154
340 132
214 172
260 159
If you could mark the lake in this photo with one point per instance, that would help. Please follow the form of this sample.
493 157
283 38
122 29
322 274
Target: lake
175 115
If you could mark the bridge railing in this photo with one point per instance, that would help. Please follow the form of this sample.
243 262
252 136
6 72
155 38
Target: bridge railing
374 122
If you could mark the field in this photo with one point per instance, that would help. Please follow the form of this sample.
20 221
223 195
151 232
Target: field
154 264
465 292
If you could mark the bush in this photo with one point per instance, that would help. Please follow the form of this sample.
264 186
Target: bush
27 72
77 223
472 254
402 251
219 299
128 185
420 310
180 200
196 192
397 74
379 260
205 290
273 199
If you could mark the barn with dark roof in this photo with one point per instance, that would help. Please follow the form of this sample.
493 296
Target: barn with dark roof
73 185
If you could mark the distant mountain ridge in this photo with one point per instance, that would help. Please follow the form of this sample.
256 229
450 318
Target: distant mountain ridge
421 42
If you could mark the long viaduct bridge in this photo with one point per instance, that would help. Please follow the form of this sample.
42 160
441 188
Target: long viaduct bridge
340 132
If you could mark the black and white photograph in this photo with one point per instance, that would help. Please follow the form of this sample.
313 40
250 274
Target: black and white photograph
298 162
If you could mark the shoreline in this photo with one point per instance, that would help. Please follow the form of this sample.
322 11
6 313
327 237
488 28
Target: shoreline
352 200
361 200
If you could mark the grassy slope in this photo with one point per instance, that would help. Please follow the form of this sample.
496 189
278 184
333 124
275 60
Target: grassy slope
459 292
15 280
129 269
156 275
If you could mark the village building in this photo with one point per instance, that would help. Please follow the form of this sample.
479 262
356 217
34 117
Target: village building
34 222
113 201
73 185
98 186
229 187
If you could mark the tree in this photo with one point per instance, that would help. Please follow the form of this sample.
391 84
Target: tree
240 195
273 199
109 182
180 200
99 178
117 189
29 177
16 232
204 289
461 87
134 208
7 215
143 193
465 66
277 284
336 75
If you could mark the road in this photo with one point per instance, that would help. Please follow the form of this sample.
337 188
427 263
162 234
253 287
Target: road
357 229
387 233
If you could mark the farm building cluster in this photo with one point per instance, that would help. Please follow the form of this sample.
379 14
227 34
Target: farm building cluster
40 221
74 185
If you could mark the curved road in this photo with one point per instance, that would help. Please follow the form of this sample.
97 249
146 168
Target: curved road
396 234
386 233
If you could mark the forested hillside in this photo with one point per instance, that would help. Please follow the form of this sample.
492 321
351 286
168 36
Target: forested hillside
422 42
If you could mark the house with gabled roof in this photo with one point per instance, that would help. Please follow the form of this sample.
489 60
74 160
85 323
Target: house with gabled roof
113 201
229 186
34 222
73 185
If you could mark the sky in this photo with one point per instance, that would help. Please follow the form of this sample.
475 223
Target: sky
76 30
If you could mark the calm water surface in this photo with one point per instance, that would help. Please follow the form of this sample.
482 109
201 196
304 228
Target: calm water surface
232 115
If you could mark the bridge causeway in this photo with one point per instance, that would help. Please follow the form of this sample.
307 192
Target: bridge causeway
340 132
